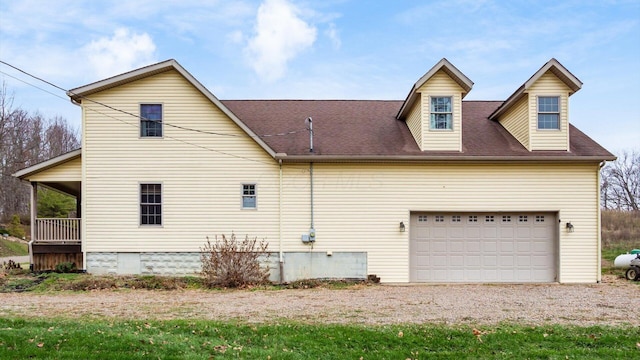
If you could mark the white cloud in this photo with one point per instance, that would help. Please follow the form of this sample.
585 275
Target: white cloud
280 35
122 52
333 35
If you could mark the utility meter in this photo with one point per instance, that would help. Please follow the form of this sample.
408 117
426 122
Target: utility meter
312 235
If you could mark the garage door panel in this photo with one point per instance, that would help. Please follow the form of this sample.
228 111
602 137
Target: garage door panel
483 247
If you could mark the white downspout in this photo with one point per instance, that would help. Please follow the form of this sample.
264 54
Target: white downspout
599 224
280 252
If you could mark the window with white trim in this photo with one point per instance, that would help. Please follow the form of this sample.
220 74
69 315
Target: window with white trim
248 196
441 113
549 112
150 120
150 204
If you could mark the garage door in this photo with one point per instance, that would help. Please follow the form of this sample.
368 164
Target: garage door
483 247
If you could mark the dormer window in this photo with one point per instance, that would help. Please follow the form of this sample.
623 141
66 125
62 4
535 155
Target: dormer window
548 112
441 113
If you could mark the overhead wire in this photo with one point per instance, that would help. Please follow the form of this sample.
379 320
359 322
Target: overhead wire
135 115
141 118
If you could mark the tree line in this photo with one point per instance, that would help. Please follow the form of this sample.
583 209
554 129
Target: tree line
620 182
27 139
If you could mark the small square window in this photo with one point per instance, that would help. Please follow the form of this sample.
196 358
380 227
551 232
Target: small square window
489 218
523 218
422 218
455 218
248 196
150 120
439 218
506 218
473 218
539 218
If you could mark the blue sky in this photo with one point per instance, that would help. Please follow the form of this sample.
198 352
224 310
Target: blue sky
340 49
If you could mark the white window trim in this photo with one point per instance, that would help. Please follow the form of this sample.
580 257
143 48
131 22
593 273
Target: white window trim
559 112
242 195
140 120
139 204
452 113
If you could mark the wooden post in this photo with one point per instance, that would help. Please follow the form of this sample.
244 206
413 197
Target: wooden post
34 216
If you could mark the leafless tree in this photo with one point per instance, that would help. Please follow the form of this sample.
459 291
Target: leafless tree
26 140
620 187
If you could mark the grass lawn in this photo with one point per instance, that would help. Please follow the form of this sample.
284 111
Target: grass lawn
183 339
12 248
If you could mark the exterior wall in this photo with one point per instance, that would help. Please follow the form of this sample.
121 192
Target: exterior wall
359 207
69 171
440 84
201 172
516 121
414 122
547 139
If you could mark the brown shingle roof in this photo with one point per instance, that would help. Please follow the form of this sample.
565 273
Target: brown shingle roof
362 129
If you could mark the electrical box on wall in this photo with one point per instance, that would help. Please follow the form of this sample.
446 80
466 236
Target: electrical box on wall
310 237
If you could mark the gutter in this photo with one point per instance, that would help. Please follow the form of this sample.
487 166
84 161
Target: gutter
436 159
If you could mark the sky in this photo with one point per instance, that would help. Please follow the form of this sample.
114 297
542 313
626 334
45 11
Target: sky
331 49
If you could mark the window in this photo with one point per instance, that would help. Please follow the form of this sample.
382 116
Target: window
455 218
439 218
422 218
523 218
150 120
489 218
248 196
539 218
441 113
548 112
473 218
506 218
150 204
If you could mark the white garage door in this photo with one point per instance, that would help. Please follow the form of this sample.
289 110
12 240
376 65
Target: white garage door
483 247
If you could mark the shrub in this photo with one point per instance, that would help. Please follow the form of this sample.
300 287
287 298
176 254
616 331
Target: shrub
229 262
16 229
65 267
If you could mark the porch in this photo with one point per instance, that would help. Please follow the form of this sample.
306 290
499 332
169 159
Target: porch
56 240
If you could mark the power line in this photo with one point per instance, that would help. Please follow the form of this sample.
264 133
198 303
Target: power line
132 114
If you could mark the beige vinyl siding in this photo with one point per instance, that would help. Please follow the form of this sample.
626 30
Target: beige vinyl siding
69 171
359 207
201 173
546 139
516 121
440 84
414 121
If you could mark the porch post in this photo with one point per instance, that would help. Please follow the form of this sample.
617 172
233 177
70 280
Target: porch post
34 216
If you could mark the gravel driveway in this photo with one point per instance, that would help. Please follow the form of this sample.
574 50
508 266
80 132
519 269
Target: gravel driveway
613 303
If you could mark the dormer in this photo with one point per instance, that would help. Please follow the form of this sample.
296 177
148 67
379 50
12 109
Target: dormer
537 114
433 108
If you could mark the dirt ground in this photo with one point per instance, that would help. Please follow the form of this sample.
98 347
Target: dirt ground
613 302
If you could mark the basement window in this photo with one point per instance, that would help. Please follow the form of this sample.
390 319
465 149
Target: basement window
441 113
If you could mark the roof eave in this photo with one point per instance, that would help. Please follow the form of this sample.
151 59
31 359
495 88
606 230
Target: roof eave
438 159
48 164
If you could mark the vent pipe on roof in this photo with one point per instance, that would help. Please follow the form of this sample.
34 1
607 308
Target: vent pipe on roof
309 123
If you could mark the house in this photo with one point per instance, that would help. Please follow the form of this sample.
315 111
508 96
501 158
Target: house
427 189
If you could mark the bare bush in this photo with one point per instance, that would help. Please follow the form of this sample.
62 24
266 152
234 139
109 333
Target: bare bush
229 262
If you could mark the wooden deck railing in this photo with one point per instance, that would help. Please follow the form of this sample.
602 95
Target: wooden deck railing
57 230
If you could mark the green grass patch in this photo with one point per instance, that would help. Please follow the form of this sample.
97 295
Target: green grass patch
13 248
183 339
